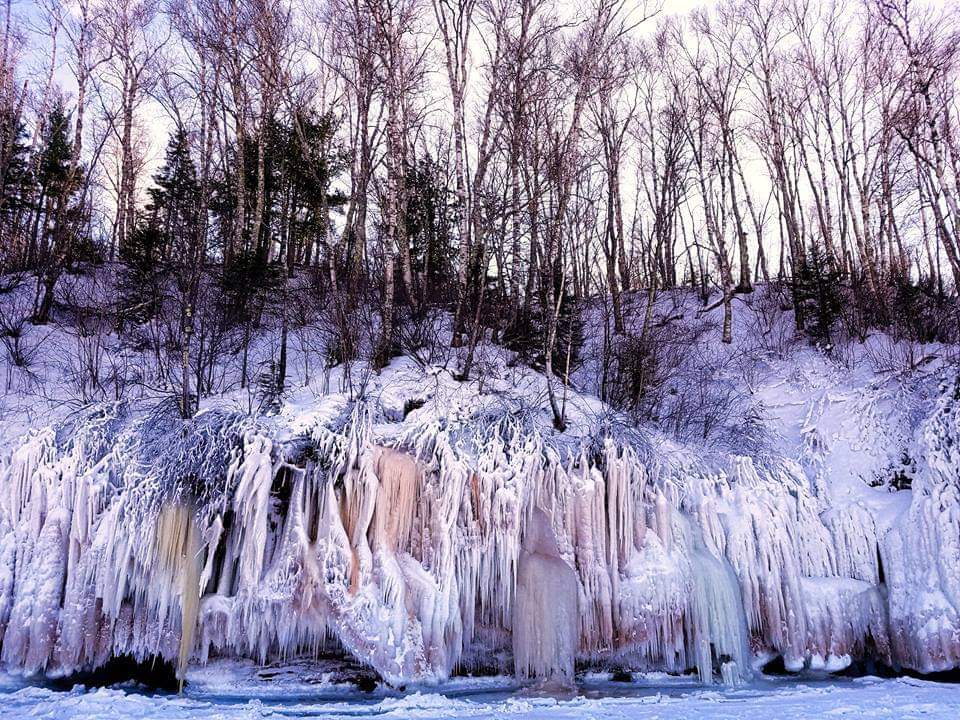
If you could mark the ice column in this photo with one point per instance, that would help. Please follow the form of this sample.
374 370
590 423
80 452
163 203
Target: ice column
545 617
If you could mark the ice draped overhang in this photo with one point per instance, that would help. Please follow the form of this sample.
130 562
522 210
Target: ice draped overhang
437 543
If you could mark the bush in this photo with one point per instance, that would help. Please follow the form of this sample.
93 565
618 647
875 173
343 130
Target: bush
923 313
644 369
421 337
771 330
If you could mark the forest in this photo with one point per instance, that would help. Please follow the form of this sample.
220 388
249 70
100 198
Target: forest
402 175
602 350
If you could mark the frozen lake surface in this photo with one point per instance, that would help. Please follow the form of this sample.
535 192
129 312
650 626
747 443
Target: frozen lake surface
231 693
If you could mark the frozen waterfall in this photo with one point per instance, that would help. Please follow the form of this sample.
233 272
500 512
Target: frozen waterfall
457 545
545 618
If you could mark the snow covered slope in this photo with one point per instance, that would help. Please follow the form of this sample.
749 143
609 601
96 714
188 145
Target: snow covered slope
434 526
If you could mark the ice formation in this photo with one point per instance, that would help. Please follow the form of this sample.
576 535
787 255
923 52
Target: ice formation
545 618
438 542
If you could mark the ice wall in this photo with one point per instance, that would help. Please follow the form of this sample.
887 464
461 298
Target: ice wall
921 552
445 543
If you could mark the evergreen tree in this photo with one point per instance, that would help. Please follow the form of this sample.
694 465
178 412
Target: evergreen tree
300 162
15 185
55 241
54 166
430 216
144 274
817 288
164 244
174 202
14 168
54 187
306 159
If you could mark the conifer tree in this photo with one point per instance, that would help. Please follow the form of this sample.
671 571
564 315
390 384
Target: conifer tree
14 182
817 292
174 205
54 237
164 238
53 176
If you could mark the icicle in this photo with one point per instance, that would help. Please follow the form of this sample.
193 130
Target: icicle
251 506
177 558
399 482
456 541
718 629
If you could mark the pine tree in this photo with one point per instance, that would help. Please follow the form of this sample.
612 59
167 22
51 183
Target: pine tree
57 148
311 160
55 186
430 218
14 170
56 244
817 290
164 244
15 184
144 275
174 202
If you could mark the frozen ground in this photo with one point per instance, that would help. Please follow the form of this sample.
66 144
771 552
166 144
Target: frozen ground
653 697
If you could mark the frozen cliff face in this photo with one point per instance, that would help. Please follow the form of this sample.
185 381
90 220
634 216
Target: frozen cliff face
921 553
466 534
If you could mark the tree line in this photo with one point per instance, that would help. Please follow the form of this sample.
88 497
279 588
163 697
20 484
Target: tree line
503 162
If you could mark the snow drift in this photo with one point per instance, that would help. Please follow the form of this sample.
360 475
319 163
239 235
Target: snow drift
441 539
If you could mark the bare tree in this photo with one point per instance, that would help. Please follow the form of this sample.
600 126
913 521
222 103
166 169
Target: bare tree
130 30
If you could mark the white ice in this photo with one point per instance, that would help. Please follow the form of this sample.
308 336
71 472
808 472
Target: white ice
468 534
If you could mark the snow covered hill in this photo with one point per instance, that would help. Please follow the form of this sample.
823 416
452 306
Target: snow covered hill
427 526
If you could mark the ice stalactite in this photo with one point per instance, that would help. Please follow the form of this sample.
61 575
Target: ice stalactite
433 544
93 570
40 545
921 554
845 619
254 477
717 629
178 565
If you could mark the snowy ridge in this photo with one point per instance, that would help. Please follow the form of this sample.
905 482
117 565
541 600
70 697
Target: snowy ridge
463 533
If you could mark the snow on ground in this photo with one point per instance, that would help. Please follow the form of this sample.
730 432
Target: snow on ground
871 698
